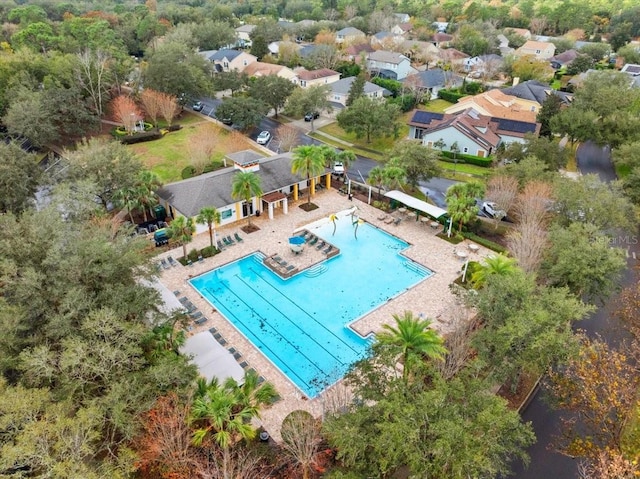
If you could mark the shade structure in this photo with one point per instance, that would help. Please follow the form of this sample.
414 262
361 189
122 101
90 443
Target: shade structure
296 243
211 358
416 204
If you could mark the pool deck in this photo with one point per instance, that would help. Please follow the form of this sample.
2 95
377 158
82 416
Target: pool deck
431 298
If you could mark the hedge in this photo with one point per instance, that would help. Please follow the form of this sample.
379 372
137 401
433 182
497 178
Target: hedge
464 158
139 137
450 96
484 242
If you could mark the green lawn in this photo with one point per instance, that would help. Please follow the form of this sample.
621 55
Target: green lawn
464 169
378 144
168 156
436 106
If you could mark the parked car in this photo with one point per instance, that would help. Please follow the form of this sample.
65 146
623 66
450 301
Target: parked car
198 106
225 121
492 209
338 168
263 138
311 116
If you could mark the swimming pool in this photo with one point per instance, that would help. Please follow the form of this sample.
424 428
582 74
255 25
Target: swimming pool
301 324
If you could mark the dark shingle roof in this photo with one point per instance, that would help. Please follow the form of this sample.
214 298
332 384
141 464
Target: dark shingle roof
426 117
534 90
514 125
436 77
214 189
226 53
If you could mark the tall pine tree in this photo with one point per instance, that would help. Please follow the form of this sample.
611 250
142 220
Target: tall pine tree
357 89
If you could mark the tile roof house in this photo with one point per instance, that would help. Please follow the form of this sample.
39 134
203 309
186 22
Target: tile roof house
483 63
356 51
349 35
261 69
323 76
540 50
497 104
441 40
453 56
431 81
390 65
226 60
188 197
563 59
417 50
535 91
402 17
474 134
402 28
523 32
340 91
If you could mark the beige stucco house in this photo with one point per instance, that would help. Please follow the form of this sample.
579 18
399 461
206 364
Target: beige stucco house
540 50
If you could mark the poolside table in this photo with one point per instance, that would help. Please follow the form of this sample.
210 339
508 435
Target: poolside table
424 220
473 247
402 210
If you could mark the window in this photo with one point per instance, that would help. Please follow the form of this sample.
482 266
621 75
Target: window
419 133
303 83
336 97
537 52
244 62
226 214
465 150
225 64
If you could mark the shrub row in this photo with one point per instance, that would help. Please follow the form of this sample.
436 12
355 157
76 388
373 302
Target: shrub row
484 242
464 158
194 254
139 137
449 95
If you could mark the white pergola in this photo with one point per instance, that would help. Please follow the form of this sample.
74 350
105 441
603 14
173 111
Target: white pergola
416 204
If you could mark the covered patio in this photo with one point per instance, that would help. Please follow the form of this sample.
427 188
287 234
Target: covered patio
211 358
415 204
273 200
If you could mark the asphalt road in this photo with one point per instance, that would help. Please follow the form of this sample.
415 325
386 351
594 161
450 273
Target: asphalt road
546 463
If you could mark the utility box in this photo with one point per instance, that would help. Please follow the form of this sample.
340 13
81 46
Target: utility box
160 212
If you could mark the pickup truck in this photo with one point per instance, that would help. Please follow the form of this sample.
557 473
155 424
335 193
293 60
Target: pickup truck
491 209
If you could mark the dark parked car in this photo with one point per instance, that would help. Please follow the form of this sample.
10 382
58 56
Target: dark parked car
198 106
225 121
311 116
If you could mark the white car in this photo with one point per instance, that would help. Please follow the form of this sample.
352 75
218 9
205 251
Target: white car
491 208
338 168
263 138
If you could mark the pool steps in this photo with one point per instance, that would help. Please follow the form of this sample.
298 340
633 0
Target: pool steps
316 270
417 268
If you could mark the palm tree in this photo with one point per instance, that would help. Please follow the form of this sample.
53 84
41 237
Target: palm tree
333 218
461 201
182 228
308 161
394 177
245 185
127 198
225 412
413 338
209 216
347 158
146 185
376 178
496 264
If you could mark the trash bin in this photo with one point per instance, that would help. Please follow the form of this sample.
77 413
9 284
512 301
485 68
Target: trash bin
160 212
161 237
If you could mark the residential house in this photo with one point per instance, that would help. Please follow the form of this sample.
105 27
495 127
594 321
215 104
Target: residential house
353 53
419 51
226 60
633 71
386 40
390 65
495 103
442 40
483 63
323 76
242 35
340 91
537 92
402 17
577 80
261 69
307 50
189 196
402 29
440 26
503 45
274 47
540 50
473 133
432 81
349 36
563 59
523 32
453 57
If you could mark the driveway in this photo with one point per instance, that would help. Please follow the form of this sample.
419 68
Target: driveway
595 159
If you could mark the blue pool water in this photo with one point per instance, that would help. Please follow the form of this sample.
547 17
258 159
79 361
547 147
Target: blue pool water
301 324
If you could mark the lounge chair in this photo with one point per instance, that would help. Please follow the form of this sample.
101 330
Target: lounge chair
200 258
183 300
389 220
230 240
276 258
172 261
226 241
164 264
201 320
382 217
244 365
313 241
321 245
213 330
237 237
283 263
289 268
195 315
237 355
328 250
397 221
220 247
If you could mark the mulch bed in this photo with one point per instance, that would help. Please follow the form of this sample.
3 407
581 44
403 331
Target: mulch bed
250 228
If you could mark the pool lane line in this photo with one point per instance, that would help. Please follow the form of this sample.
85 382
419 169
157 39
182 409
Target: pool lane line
304 311
285 317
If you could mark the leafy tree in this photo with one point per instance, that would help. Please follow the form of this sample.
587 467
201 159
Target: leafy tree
515 39
550 108
301 439
368 116
176 69
605 93
631 185
266 31
109 165
413 339
629 53
182 229
209 216
28 117
357 89
473 41
599 387
393 177
272 90
417 160
308 161
528 169
126 112
245 185
37 36
232 80
597 51
496 264
244 112
323 56
213 34
581 63
528 67
575 123
579 257
19 178
563 44
309 100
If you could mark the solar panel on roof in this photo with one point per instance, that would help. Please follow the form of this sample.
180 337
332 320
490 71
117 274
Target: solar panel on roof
515 126
426 117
